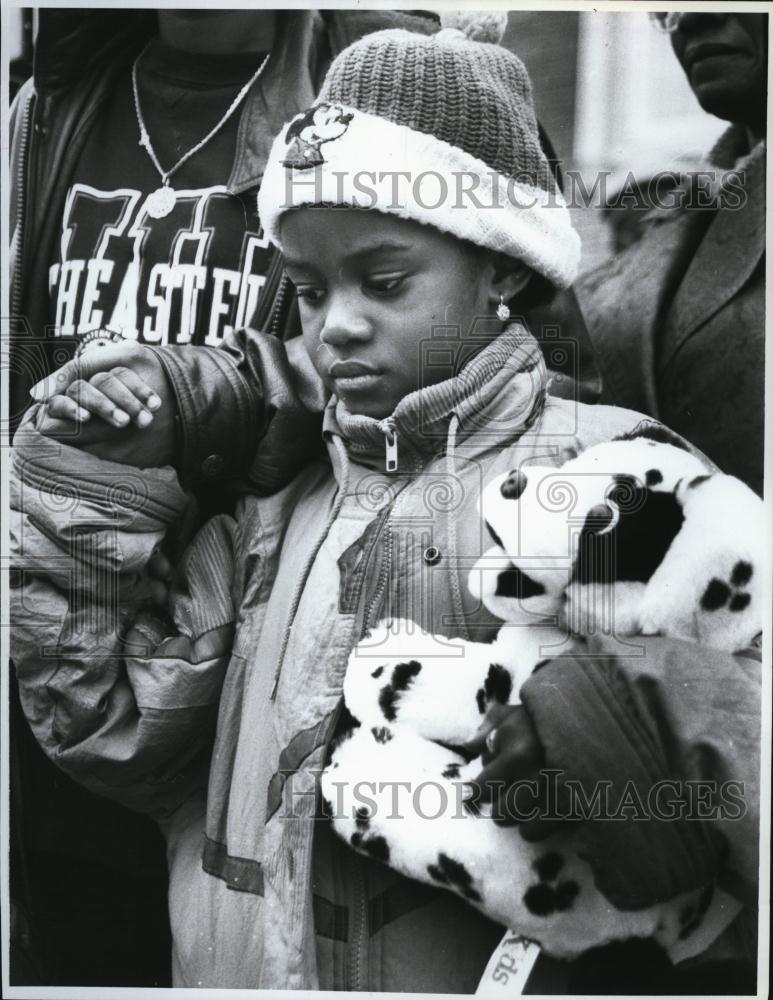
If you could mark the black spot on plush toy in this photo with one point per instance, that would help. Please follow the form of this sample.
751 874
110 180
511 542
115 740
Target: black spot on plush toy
401 679
637 535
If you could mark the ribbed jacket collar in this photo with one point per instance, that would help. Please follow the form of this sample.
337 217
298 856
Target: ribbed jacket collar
499 392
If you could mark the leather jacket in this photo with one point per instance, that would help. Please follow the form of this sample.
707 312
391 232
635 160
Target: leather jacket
79 55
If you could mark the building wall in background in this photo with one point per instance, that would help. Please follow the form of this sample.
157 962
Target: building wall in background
613 98
547 42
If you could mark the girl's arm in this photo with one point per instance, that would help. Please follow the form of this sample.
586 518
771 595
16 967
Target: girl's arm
665 735
246 415
119 695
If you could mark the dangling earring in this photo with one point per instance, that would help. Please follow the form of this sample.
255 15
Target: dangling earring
503 311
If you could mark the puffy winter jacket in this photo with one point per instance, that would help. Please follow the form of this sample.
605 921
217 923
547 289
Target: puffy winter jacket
217 717
80 55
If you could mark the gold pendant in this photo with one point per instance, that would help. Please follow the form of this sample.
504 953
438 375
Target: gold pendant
160 202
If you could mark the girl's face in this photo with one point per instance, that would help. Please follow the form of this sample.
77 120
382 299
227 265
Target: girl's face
371 288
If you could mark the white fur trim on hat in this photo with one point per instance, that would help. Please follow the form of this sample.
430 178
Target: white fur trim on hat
340 156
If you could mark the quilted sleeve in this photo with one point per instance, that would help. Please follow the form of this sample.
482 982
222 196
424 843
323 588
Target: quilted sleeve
120 694
249 411
670 730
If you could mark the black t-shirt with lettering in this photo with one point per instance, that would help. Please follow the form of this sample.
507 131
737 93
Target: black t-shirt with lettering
189 277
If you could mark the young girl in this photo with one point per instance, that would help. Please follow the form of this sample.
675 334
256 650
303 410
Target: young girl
218 717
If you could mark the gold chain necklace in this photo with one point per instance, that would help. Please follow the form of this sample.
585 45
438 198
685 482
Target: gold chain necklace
160 202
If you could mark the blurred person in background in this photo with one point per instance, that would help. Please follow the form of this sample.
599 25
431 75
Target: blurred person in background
678 319
137 149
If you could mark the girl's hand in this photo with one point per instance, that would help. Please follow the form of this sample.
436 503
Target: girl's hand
124 387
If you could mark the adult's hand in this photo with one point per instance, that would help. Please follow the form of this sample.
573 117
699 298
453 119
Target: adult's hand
113 401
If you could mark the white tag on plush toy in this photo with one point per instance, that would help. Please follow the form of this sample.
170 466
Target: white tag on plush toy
509 967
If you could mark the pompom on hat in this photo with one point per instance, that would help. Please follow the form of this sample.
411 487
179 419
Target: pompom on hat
439 129
476 25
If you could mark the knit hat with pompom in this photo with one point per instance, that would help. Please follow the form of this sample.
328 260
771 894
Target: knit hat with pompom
436 128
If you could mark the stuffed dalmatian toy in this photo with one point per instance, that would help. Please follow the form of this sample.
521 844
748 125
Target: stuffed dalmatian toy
658 546
636 534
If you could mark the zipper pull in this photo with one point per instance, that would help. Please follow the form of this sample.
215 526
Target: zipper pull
390 436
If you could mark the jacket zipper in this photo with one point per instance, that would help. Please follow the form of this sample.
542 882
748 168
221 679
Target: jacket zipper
386 565
389 430
265 316
360 926
358 936
20 220
279 300
360 908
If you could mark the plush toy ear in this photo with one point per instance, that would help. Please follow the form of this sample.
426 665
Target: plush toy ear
654 432
657 465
